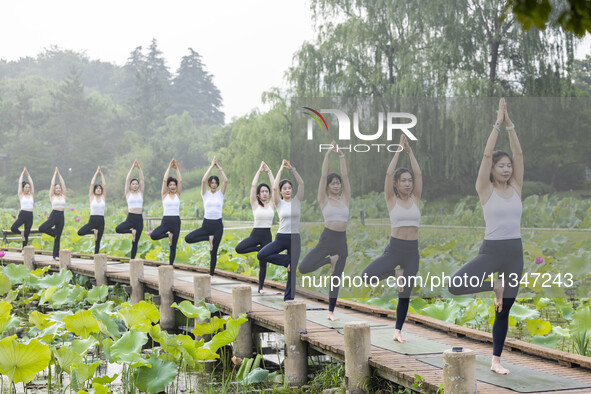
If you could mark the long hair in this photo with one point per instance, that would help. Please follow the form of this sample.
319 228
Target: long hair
496 156
398 173
283 182
259 187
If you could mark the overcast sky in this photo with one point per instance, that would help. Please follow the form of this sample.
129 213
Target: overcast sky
246 45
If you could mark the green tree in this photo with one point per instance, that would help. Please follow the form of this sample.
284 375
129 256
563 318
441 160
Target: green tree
571 15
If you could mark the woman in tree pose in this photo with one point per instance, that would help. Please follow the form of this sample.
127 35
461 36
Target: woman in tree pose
402 189
262 211
334 196
134 223
499 183
171 220
213 201
288 234
96 224
25 216
55 224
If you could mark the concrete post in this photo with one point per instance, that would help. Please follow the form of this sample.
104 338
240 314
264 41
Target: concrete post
459 371
165 283
136 271
65 259
29 257
100 269
296 350
357 353
202 287
242 303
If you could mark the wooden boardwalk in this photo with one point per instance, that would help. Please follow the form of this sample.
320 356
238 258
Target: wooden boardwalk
396 367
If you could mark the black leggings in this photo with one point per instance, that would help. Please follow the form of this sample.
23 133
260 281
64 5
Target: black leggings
169 224
26 218
96 222
403 253
502 256
54 227
259 237
270 254
331 243
133 221
209 227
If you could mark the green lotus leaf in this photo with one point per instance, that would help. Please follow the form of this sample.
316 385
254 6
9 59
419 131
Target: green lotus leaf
97 294
444 311
8 322
22 362
84 371
563 332
191 311
59 316
103 307
16 273
211 307
11 296
204 354
82 323
551 340
81 346
60 296
139 316
99 388
155 379
130 343
5 308
227 336
581 323
521 312
212 326
47 294
48 334
538 327
66 357
104 379
5 285
107 324
257 375
59 279
40 320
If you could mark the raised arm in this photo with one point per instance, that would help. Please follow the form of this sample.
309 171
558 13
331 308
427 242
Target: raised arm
389 181
164 187
20 183
299 180
345 176
516 151
483 184
128 179
224 177
52 186
271 180
30 181
418 186
276 197
179 187
322 196
92 181
141 178
62 183
104 185
206 175
253 186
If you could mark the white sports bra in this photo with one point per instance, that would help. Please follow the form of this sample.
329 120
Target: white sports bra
502 217
58 202
263 216
289 216
402 217
212 205
135 200
171 206
27 202
333 213
97 206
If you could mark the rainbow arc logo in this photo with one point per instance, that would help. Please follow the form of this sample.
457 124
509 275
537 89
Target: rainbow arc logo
315 115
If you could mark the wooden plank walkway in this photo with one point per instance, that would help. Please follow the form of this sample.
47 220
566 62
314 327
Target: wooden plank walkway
396 367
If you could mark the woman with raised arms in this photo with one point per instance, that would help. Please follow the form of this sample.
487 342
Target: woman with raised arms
55 223
96 224
25 216
134 223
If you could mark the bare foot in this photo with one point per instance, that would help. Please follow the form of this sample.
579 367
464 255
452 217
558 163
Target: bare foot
333 262
498 301
288 268
211 242
22 235
95 234
397 274
398 337
497 367
170 235
56 258
332 317
133 235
